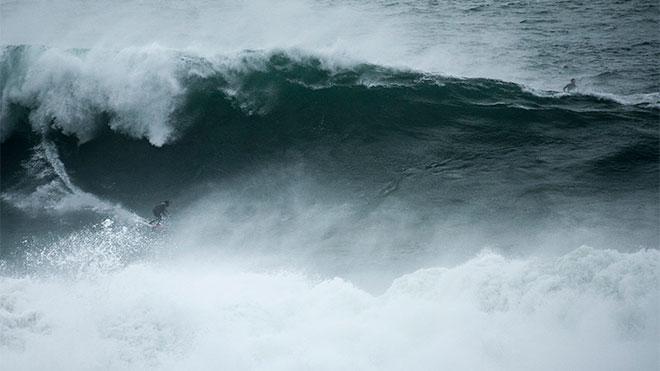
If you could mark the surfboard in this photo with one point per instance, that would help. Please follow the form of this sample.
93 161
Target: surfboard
143 221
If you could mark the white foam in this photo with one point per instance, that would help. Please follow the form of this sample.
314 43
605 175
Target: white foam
68 90
651 100
588 310
47 187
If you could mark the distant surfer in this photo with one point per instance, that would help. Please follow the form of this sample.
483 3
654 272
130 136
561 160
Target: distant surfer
570 86
160 211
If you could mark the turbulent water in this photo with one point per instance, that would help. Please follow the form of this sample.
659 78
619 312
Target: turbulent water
354 185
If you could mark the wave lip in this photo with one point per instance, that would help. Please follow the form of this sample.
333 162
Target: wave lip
139 91
70 89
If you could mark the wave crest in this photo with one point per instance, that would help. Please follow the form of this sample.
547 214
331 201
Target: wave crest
147 92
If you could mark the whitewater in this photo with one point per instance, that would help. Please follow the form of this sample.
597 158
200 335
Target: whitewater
368 185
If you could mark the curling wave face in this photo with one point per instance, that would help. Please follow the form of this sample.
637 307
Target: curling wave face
463 151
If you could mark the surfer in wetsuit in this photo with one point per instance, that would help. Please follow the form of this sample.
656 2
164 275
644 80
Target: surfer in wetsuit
160 211
570 87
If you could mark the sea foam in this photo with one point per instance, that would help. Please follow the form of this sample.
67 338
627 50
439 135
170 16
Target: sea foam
588 309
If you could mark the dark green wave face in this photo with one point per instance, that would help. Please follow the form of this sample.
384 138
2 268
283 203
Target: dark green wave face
466 156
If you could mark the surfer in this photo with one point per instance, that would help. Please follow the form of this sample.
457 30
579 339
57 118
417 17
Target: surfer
160 211
570 86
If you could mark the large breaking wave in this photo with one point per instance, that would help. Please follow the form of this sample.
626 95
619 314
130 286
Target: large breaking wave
140 91
327 215
72 122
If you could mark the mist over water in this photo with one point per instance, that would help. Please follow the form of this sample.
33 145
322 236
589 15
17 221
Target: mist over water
612 48
353 185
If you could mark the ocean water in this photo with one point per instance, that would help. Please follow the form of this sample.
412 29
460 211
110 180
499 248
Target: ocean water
368 185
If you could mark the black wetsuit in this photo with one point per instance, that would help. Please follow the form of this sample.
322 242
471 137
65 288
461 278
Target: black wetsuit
159 212
570 87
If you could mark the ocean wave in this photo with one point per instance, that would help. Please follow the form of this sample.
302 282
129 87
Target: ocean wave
490 312
140 91
368 185
363 133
